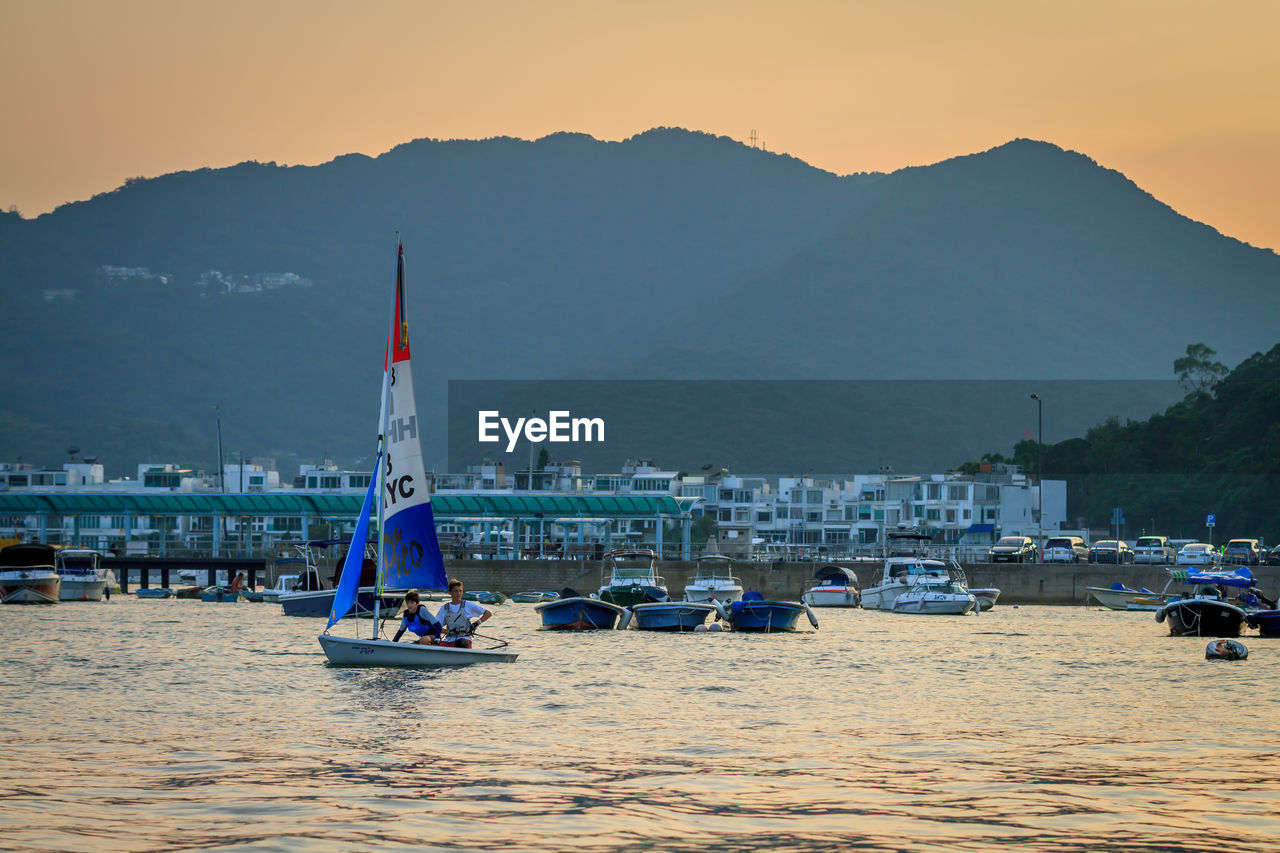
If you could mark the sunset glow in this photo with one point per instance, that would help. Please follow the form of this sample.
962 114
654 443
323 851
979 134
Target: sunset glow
1182 97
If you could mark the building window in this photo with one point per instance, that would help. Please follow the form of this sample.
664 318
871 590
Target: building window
763 517
935 491
951 516
726 515
957 493
932 515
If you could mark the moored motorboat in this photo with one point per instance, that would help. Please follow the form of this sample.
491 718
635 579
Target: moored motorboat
753 612
1266 622
670 615
936 598
713 579
835 586
904 565
986 596
485 596
153 592
220 594
629 578
1206 612
28 576
1120 597
83 578
534 596
573 612
284 584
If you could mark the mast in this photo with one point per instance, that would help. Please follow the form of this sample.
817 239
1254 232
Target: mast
383 419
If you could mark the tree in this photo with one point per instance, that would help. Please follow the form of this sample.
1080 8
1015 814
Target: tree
544 459
1195 370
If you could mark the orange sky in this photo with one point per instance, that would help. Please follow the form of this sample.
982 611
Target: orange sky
1183 97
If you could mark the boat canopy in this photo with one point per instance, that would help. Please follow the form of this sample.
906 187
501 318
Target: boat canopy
838 574
1241 577
26 556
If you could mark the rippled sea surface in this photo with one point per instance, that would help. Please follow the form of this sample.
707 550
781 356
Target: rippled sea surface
172 725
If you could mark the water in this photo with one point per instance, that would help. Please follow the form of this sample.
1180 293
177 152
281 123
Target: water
178 725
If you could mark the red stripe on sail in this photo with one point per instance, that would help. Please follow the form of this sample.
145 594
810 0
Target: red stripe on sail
400 352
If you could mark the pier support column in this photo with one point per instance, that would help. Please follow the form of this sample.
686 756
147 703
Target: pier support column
686 535
657 538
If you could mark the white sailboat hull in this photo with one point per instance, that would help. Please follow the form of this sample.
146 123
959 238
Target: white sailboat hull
348 651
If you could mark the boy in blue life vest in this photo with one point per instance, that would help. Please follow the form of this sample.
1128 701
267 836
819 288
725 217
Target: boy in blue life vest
456 615
418 620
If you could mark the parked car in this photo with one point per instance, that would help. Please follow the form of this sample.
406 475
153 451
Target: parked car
1197 554
1013 549
1111 551
1243 551
1065 549
1153 549
1273 556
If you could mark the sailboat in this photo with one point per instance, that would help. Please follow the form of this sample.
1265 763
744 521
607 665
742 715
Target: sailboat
398 500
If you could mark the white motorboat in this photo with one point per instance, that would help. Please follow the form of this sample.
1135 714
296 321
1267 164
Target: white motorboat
284 584
905 566
1120 597
83 578
835 586
986 596
713 579
27 575
935 597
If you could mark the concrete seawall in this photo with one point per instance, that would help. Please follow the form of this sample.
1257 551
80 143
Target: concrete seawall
1018 584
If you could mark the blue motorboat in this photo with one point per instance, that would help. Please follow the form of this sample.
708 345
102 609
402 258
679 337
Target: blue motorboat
219 594
573 612
318 602
1267 622
483 596
153 592
534 596
755 613
670 615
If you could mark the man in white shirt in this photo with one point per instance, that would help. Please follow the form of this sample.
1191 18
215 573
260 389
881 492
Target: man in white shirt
456 616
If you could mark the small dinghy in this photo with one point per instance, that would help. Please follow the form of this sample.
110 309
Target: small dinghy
574 612
1226 650
755 613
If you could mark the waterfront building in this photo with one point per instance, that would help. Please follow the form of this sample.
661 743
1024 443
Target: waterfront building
756 516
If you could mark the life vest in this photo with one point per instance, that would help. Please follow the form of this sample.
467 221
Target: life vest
456 622
421 623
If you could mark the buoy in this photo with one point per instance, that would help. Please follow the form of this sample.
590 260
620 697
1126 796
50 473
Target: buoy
713 627
720 611
699 629
1226 650
624 619
813 620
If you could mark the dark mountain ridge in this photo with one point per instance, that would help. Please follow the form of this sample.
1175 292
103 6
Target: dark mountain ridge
670 254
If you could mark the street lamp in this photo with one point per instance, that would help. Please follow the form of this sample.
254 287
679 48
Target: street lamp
1039 465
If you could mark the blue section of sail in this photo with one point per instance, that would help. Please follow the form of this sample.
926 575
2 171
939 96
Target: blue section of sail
349 583
411 552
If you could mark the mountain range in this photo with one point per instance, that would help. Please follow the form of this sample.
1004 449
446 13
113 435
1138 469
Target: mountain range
670 255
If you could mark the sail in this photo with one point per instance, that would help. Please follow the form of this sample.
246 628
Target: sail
349 582
410 551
